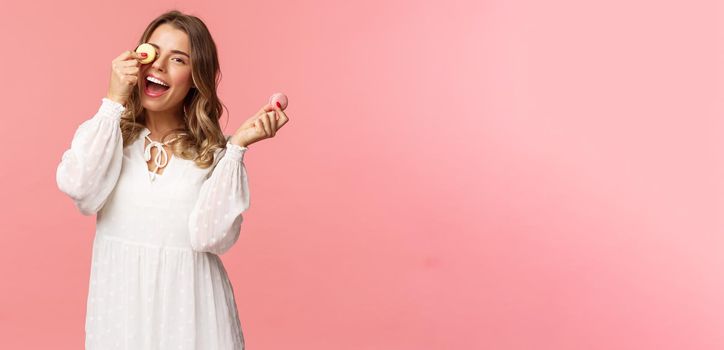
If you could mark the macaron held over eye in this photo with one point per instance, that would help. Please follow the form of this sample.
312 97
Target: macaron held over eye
149 50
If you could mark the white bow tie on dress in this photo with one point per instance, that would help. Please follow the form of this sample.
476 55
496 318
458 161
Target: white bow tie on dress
161 158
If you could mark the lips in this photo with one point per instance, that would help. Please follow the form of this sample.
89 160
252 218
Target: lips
153 89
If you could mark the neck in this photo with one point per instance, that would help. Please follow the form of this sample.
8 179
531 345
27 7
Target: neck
161 122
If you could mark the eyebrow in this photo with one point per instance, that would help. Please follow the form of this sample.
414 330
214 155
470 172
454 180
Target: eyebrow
173 51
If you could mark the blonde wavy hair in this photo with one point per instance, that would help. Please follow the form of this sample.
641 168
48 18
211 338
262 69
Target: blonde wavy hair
201 136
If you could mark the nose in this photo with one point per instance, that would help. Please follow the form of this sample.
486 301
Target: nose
157 64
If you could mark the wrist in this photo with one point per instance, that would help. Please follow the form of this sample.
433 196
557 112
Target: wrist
235 140
116 99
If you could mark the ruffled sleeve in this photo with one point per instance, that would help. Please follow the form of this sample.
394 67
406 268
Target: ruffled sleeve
89 169
215 221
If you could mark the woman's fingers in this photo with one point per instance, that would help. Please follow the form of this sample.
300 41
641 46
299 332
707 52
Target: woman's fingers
130 63
265 121
259 126
273 121
266 108
129 56
268 120
124 56
283 119
130 70
136 56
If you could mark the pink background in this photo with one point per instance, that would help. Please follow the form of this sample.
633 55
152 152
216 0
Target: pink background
456 174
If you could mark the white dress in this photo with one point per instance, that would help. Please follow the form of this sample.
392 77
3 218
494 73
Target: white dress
156 279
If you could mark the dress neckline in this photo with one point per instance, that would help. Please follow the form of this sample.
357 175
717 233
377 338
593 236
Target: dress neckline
162 158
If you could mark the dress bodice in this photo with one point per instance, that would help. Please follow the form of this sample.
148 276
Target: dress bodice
187 207
148 207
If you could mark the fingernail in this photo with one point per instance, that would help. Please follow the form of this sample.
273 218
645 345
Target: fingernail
279 104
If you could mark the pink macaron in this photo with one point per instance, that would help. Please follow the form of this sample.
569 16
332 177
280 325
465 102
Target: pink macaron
279 97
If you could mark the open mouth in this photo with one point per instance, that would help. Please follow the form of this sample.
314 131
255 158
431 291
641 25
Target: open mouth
154 89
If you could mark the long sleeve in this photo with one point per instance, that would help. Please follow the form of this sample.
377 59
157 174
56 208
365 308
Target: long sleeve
89 169
215 221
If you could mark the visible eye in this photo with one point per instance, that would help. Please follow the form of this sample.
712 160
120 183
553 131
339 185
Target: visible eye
179 60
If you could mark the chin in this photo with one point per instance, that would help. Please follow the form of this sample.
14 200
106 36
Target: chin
156 104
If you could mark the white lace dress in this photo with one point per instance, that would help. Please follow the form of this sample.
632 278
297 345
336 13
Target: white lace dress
156 279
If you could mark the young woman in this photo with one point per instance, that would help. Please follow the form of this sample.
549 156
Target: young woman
169 189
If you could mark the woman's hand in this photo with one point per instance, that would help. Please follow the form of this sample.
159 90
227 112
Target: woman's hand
264 124
124 76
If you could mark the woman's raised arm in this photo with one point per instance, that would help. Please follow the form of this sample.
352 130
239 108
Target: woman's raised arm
215 221
89 169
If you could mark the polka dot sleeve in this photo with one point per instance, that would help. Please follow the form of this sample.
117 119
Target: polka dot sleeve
215 221
89 169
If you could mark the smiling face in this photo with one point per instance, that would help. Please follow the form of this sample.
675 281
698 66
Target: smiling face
172 66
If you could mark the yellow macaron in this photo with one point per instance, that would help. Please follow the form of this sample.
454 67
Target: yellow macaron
148 49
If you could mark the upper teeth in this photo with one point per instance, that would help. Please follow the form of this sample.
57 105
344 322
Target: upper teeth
152 79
